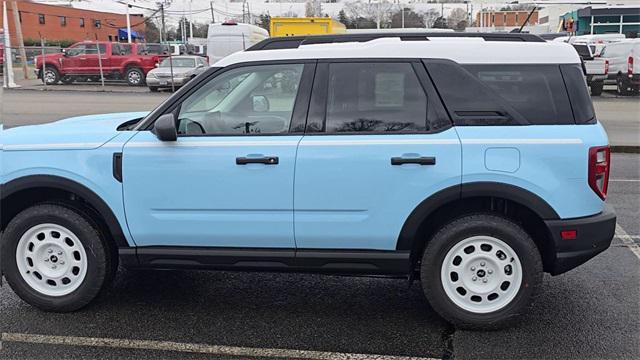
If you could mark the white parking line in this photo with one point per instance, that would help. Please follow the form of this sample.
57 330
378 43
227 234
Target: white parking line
217 350
627 240
624 180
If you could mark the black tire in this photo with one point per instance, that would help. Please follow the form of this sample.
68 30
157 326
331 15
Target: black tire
621 86
474 225
51 75
153 88
596 88
98 256
134 76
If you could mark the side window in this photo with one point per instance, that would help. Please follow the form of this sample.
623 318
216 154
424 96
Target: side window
576 84
92 49
248 100
374 97
502 94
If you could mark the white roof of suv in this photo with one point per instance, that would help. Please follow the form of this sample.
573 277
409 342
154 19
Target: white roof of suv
460 50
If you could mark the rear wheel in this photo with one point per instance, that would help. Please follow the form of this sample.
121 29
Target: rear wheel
622 86
481 272
596 88
54 258
134 76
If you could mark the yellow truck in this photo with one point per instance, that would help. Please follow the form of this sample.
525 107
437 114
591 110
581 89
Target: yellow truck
291 26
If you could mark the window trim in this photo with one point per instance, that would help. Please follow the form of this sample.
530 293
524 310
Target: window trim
319 96
300 108
42 19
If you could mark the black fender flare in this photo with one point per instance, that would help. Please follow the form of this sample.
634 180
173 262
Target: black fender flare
510 192
61 183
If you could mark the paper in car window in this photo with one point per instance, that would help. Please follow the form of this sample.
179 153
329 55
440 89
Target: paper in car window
389 89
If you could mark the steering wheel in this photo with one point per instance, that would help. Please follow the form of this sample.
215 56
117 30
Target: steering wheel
189 125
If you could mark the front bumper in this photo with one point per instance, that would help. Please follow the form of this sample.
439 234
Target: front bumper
165 82
594 235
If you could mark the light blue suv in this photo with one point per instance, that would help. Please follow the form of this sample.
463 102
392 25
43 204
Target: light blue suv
472 165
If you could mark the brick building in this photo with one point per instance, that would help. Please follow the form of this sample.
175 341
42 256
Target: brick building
56 23
505 18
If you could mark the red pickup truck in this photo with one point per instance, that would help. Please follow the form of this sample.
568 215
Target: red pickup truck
129 62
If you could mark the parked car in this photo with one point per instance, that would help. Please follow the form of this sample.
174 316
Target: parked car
595 68
228 37
183 69
129 62
1 57
623 60
473 171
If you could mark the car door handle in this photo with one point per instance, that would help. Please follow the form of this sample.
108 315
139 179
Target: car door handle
266 160
423 160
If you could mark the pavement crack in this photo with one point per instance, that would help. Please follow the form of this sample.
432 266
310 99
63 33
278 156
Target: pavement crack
447 340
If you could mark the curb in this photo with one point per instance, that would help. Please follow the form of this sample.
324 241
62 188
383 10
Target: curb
625 149
93 90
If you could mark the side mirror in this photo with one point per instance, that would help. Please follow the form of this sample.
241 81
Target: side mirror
165 128
157 64
260 103
64 52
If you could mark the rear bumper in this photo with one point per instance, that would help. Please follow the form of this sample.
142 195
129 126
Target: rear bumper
594 235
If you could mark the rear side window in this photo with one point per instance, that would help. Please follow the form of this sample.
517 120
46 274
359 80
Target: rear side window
499 94
578 94
375 97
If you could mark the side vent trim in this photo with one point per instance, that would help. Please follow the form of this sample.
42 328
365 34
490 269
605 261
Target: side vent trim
117 166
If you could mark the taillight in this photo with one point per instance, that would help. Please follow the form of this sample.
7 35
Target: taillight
606 67
630 65
599 165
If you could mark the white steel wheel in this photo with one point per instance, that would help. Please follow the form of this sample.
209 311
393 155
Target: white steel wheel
481 274
51 260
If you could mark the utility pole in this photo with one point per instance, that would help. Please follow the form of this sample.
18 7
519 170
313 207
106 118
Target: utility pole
403 16
162 30
190 19
128 23
18 24
213 18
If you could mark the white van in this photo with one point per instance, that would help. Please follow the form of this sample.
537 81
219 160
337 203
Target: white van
228 37
623 59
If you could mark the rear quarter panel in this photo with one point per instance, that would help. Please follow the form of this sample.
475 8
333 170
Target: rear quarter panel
550 161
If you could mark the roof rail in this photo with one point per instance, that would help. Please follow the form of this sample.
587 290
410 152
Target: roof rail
293 42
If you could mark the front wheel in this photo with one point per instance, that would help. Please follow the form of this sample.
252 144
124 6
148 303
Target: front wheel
51 75
622 86
54 259
481 272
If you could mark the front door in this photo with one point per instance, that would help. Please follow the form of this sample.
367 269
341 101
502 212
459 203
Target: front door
228 179
378 143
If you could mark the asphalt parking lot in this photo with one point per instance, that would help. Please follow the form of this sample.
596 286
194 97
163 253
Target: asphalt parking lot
591 312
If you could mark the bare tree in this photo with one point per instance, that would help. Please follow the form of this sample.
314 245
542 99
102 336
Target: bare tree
430 17
457 19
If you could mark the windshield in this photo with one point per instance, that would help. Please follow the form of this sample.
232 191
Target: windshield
178 63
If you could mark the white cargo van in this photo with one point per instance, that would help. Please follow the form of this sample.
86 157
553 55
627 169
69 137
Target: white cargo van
228 37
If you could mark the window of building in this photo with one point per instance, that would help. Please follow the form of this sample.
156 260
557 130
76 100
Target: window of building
375 97
97 24
41 19
81 22
63 21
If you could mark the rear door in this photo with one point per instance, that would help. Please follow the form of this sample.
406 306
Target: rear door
378 142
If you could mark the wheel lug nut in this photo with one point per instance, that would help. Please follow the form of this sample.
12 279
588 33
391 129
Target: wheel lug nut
49 251
484 281
473 268
46 260
482 263
61 262
59 252
474 278
490 271
54 267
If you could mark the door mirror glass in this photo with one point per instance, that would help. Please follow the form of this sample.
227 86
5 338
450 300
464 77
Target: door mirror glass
165 128
260 103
